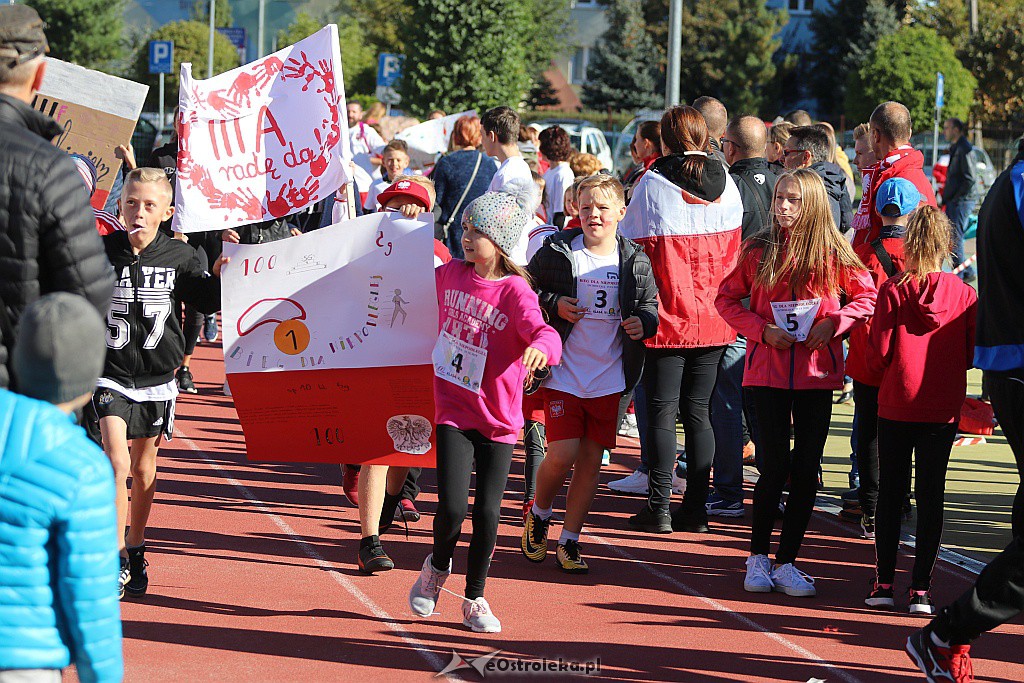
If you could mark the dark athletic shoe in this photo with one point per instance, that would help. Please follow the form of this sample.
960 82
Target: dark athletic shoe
184 379
880 597
373 559
535 537
650 521
570 559
937 663
693 522
921 604
137 563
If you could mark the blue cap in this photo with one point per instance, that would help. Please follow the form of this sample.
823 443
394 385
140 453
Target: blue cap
896 197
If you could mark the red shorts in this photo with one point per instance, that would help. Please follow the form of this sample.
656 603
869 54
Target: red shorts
572 417
533 406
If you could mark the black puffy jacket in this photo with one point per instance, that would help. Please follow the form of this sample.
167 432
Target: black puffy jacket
554 275
838 196
755 180
48 238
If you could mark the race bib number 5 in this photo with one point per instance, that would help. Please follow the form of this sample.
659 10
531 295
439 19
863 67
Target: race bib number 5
459 362
796 317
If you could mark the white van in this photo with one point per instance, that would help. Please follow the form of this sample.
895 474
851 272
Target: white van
585 138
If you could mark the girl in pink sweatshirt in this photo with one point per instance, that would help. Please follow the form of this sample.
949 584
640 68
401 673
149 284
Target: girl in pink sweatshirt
922 341
492 339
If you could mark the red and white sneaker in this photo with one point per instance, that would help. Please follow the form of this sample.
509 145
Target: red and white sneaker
939 663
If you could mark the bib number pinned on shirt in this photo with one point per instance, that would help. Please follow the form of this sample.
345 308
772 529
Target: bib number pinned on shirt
600 297
459 362
796 317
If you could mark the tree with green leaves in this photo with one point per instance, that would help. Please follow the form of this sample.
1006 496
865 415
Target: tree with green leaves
358 58
466 53
542 94
622 73
383 23
221 9
902 67
549 27
85 32
191 43
995 56
844 36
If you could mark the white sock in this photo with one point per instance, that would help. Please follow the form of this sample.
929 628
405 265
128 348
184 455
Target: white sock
541 512
568 536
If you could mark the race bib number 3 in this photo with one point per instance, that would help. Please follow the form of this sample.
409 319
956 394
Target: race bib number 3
459 362
796 317
600 297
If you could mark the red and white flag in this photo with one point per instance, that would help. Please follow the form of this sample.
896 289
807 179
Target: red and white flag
262 141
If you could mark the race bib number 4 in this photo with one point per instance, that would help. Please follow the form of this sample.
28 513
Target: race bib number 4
459 362
600 297
796 317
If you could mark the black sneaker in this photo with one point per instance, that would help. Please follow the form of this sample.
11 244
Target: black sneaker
908 509
690 521
373 559
137 563
880 597
123 577
184 379
867 527
650 521
921 603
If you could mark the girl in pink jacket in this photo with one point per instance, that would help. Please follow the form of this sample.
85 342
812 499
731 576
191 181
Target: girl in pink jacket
798 275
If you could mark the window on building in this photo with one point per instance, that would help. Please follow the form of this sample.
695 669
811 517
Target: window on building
584 3
578 66
801 6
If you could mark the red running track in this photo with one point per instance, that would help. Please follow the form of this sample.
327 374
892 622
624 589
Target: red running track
253 579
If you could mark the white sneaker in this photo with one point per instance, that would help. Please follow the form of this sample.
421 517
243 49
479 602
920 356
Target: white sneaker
678 483
628 427
791 581
424 593
758 579
477 615
636 483
606 458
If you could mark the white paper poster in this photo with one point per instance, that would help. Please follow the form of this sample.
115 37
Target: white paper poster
262 141
429 140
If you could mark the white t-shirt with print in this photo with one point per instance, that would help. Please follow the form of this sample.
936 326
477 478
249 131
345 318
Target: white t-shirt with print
513 167
592 357
557 180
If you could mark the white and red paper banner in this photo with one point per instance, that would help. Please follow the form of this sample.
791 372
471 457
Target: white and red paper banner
328 339
429 140
262 141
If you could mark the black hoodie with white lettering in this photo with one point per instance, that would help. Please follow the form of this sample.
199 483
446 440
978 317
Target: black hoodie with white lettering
145 344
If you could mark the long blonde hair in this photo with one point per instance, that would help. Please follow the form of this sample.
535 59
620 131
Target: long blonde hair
927 243
812 252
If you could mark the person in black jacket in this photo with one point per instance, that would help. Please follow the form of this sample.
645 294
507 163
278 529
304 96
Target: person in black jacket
598 292
48 238
809 147
960 192
134 399
744 145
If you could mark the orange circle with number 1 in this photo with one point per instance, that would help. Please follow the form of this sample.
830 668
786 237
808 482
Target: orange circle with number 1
291 336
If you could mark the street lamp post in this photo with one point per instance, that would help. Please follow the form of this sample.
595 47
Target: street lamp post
209 57
675 30
259 32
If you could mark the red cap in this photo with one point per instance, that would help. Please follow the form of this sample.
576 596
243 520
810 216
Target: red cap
406 189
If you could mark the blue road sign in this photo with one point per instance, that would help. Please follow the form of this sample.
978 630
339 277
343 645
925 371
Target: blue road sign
940 91
237 36
161 56
389 69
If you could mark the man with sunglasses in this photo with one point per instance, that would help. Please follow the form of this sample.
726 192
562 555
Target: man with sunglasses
48 238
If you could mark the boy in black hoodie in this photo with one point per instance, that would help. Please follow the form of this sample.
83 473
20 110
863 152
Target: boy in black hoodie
134 399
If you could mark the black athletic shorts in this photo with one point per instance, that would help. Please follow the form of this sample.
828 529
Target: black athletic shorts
145 419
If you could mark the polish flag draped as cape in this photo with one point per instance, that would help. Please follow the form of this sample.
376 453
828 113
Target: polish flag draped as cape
693 244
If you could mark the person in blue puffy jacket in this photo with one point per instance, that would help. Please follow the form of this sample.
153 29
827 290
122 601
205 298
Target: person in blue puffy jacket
58 531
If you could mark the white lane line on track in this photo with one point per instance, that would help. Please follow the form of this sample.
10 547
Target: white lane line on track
833 670
422 649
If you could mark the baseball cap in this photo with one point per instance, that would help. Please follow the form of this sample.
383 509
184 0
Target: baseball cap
406 189
87 169
896 197
21 35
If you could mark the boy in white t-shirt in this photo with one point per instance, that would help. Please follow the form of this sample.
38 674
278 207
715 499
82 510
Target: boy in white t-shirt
394 161
501 138
556 147
599 293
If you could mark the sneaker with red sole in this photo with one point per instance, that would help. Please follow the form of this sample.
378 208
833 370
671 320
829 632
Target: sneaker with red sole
350 484
939 663
407 511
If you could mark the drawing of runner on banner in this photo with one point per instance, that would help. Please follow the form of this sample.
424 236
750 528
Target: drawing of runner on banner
262 141
429 140
328 339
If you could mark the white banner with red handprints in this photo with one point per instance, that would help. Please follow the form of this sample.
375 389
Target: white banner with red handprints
262 141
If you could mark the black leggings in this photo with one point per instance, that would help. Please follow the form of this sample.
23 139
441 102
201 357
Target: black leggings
811 411
457 451
192 320
533 444
411 485
1007 395
928 445
866 409
680 381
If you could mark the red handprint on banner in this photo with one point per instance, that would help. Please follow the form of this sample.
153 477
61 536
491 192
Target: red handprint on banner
290 197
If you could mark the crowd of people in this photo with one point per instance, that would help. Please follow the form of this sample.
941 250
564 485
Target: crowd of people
727 283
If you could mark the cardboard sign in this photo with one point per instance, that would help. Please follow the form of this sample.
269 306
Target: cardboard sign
429 140
328 340
262 141
97 111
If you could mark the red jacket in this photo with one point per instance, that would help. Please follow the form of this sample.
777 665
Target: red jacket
797 367
856 361
904 162
922 339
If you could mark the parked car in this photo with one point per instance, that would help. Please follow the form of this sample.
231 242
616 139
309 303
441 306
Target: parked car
621 159
585 138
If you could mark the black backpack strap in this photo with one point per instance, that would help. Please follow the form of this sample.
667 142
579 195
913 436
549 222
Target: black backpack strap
884 258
